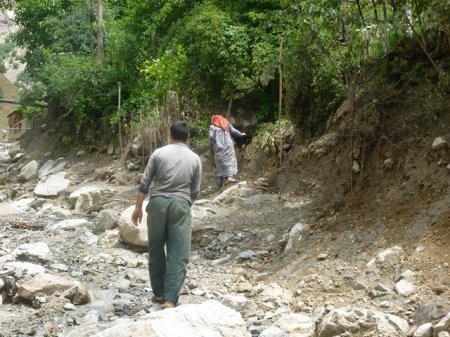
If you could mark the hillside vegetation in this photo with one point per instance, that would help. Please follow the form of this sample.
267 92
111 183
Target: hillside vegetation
172 59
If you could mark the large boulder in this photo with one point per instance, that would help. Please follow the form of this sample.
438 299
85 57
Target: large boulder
356 321
209 319
130 233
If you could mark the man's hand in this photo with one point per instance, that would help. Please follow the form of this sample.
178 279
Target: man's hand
136 217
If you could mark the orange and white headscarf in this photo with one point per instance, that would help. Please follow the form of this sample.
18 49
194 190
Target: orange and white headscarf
220 122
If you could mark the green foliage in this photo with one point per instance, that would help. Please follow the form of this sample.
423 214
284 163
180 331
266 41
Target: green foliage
74 88
165 73
268 135
208 53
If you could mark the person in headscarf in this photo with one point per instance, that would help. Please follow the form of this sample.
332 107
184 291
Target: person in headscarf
222 149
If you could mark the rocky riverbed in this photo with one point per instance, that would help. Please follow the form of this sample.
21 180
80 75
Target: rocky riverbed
71 264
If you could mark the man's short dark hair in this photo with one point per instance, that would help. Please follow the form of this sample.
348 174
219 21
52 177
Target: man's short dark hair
179 130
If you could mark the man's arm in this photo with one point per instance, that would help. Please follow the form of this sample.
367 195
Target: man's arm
196 180
136 217
147 177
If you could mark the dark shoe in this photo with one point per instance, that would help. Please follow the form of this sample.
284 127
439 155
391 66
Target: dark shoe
157 299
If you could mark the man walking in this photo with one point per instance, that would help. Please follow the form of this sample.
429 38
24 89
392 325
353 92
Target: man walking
175 172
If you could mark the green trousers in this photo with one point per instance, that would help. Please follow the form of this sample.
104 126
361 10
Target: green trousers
169 225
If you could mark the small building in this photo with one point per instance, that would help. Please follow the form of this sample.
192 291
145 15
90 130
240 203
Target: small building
17 125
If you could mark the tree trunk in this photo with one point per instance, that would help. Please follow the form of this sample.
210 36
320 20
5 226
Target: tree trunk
375 11
119 88
100 47
360 12
280 99
230 104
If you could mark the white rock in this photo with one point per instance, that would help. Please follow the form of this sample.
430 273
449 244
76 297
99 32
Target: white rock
407 275
355 321
26 268
356 168
22 204
51 187
296 324
443 334
275 294
386 257
29 171
6 209
70 224
235 302
199 212
385 304
229 192
388 164
46 168
86 198
258 200
425 330
439 143
273 331
443 325
404 288
33 252
49 210
209 319
69 307
130 233
294 235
